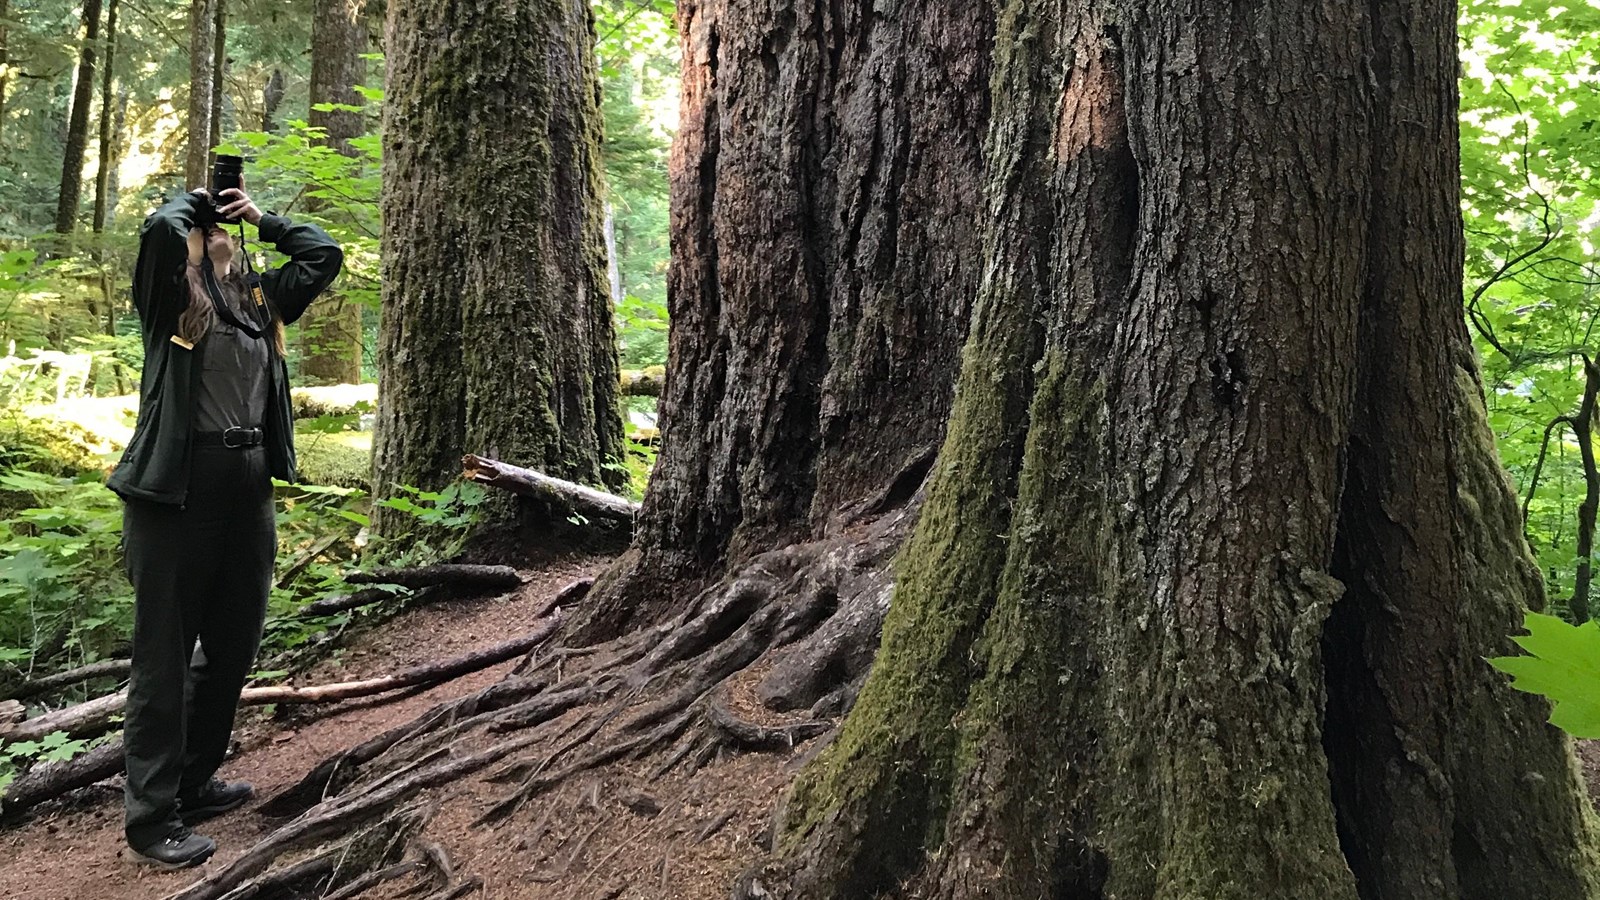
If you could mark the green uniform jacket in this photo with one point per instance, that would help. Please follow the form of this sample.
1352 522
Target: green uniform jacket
156 464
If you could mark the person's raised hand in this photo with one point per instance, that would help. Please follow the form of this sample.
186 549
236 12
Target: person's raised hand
236 204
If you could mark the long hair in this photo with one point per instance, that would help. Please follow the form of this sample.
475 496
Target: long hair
198 316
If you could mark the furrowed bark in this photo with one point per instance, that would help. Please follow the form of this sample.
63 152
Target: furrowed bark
824 194
1223 635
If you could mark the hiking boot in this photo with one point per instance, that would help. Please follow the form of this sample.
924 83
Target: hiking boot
213 799
180 849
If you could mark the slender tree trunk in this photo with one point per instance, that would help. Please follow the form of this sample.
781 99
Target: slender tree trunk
1583 430
330 331
78 123
497 333
825 194
5 59
109 138
219 68
1198 602
202 25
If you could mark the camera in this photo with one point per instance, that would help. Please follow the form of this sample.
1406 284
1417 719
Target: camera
226 174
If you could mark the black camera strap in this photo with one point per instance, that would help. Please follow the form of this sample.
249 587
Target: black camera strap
261 317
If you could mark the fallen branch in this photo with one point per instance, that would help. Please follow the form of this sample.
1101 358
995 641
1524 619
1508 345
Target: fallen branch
426 673
455 575
305 558
111 668
586 501
715 826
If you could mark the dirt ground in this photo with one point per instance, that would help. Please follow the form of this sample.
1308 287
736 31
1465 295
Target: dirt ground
616 833
593 837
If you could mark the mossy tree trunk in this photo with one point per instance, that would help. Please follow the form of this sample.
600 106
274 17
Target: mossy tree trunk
330 331
497 334
71 191
1198 601
825 183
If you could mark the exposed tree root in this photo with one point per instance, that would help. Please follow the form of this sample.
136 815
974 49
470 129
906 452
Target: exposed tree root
371 850
813 610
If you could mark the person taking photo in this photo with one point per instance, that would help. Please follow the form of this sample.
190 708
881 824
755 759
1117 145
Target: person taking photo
199 533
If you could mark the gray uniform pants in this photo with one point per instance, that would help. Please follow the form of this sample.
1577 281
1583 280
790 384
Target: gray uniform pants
200 571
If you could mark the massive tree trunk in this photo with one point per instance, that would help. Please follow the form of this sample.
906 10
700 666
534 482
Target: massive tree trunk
825 184
202 27
497 333
109 137
1198 601
330 331
78 123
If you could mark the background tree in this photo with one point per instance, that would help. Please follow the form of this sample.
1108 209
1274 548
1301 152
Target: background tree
202 49
108 134
821 281
219 74
1218 524
495 339
330 333
78 122
5 59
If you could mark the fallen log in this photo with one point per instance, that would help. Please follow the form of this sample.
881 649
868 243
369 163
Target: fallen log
585 501
96 715
455 575
47 782
110 668
644 382
327 606
84 719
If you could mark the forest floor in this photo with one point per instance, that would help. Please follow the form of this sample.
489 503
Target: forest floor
614 833
676 837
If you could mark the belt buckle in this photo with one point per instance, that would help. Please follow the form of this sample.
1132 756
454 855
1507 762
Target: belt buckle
243 431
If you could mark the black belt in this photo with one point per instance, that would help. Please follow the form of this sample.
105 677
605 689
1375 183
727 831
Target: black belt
234 438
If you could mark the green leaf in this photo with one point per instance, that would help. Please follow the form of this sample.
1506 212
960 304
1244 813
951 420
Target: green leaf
1563 666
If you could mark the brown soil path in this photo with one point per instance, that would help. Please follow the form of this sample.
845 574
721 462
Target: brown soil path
76 853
